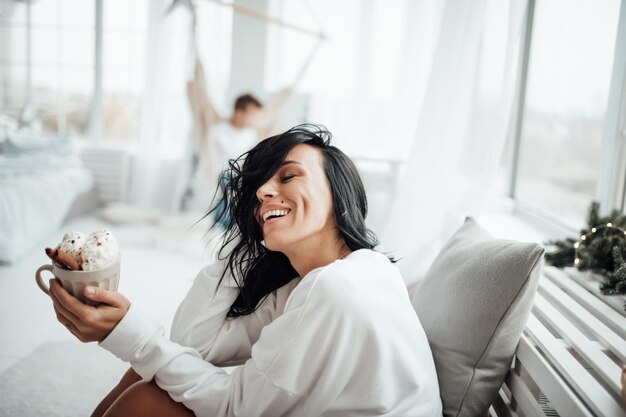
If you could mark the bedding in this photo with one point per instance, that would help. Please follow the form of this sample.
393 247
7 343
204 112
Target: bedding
39 180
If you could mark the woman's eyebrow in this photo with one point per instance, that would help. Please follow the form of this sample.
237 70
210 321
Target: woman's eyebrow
287 162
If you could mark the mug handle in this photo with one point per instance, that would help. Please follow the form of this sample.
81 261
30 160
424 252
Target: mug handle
43 286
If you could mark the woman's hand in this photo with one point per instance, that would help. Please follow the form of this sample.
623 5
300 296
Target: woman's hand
87 323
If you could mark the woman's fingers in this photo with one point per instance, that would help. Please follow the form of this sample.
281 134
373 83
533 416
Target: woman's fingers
64 315
86 322
63 320
67 300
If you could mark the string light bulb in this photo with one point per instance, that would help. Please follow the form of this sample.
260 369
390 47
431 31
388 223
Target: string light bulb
577 259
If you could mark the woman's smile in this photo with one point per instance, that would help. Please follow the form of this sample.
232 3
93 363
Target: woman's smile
273 218
270 213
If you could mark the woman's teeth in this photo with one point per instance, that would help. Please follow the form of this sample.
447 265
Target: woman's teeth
274 213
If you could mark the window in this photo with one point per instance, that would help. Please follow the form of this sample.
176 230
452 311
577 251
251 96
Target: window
568 83
53 73
124 29
47 63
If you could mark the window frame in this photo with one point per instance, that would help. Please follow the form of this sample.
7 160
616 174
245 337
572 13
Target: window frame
611 183
96 121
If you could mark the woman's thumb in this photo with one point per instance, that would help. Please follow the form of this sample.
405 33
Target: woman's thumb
102 295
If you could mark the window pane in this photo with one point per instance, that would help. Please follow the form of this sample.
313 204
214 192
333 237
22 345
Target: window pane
12 12
123 15
214 40
44 13
78 14
124 40
45 46
78 48
569 74
56 79
45 99
76 88
14 93
117 50
13 41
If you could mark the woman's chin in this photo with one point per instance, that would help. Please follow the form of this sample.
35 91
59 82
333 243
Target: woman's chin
271 245
275 245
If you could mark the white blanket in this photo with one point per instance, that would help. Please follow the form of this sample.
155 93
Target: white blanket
37 188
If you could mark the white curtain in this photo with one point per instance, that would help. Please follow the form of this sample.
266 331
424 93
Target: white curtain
368 80
461 129
153 174
160 167
427 82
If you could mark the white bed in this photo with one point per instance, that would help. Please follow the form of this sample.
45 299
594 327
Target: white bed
39 180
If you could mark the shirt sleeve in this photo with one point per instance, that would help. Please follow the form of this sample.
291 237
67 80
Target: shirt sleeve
299 365
200 321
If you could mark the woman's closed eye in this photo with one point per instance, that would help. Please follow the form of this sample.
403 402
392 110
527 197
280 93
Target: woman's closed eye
287 177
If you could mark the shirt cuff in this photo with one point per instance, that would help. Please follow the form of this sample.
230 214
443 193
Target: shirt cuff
131 334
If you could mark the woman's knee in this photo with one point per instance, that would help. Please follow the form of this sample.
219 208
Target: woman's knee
146 399
129 378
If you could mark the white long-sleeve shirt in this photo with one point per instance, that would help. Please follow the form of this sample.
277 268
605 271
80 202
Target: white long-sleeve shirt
342 341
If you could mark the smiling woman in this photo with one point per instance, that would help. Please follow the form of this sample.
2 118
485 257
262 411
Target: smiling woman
319 322
319 193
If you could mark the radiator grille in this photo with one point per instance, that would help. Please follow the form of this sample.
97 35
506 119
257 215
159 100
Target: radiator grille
109 168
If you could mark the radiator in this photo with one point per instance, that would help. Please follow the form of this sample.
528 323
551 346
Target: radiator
109 167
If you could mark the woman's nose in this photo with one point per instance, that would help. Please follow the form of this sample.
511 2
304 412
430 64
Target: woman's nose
266 191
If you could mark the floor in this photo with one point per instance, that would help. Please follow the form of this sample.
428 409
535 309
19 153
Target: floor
159 262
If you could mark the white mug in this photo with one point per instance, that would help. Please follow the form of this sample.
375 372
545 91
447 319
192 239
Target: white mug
76 281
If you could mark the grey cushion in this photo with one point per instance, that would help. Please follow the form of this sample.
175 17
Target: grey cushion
474 303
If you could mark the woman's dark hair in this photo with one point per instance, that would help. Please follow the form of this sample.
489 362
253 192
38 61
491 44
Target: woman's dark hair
263 270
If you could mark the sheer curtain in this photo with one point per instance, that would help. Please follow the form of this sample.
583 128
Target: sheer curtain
160 170
367 81
147 164
426 82
461 129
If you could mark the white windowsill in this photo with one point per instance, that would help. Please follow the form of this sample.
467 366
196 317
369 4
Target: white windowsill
502 219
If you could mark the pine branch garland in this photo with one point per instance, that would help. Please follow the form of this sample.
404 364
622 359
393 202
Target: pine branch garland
563 255
616 280
593 218
602 251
